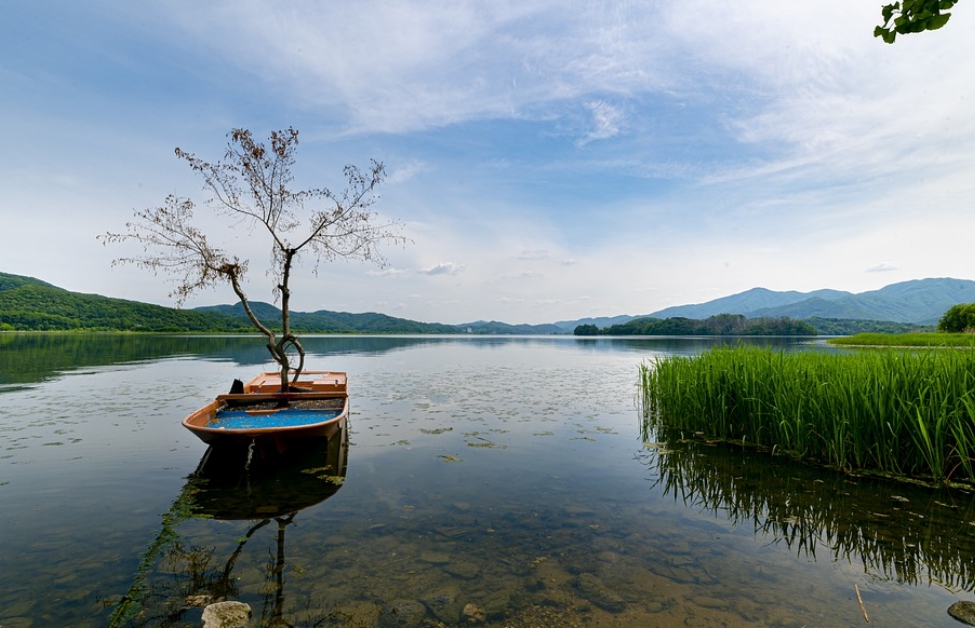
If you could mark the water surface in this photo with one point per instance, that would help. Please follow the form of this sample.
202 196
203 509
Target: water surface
504 475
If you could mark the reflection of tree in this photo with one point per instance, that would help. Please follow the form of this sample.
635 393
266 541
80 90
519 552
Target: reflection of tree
32 358
920 541
176 574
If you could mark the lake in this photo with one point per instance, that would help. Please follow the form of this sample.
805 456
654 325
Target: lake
494 481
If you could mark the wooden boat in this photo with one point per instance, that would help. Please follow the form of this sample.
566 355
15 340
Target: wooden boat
259 416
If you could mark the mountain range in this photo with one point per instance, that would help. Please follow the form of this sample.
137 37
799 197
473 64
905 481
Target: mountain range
31 304
920 301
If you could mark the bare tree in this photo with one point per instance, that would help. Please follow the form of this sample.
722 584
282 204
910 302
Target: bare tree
252 185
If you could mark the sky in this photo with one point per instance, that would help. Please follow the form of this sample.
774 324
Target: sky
547 160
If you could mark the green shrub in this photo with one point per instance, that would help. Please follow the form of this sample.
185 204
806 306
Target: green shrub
958 318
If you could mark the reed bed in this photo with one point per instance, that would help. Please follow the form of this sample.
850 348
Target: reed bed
897 413
915 339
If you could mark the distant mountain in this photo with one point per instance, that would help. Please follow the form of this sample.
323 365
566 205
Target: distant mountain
747 303
495 327
920 301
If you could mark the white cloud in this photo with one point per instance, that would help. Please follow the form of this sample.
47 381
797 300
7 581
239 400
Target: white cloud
606 121
607 149
388 272
443 268
883 267
406 171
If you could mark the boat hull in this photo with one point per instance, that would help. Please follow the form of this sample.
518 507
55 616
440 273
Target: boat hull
271 422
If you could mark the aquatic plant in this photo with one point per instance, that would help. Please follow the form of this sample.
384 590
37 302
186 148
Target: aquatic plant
913 339
894 412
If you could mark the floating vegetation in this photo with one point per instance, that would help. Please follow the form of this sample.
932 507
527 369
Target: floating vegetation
439 430
447 458
487 445
317 470
897 413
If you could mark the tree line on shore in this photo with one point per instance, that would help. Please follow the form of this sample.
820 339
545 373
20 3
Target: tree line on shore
719 325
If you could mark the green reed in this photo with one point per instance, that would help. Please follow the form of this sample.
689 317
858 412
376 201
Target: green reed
899 413
913 339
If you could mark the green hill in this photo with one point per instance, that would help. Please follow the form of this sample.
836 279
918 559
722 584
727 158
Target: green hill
28 304
324 321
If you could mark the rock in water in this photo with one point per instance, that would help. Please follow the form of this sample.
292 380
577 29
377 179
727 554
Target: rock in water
473 614
403 614
226 615
443 604
963 612
593 589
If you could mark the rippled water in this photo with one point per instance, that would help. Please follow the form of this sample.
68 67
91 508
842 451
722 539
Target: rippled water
499 481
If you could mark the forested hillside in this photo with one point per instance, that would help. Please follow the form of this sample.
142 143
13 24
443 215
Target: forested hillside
28 304
720 325
323 321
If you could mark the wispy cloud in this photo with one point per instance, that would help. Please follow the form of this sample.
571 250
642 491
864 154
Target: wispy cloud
388 272
560 140
443 268
605 123
406 171
884 267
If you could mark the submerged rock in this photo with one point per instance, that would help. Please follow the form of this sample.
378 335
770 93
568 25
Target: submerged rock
473 614
593 589
465 570
963 612
403 614
443 604
226 615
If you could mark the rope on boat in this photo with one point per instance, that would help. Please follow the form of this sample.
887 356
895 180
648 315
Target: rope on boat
250 455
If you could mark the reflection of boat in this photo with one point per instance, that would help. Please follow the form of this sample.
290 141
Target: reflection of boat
259 414
228 486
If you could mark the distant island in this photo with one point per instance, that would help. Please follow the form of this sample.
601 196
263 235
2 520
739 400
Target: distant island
29 304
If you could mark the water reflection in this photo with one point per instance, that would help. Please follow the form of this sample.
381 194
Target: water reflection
227 486
896 532
32 358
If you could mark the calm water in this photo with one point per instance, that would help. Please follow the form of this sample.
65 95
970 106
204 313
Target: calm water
504 475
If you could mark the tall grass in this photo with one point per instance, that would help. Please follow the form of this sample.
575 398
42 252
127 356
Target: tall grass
894 412
914 339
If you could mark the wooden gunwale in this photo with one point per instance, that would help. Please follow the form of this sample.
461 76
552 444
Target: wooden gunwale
315 389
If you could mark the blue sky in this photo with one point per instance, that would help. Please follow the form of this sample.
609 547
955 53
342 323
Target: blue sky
548 160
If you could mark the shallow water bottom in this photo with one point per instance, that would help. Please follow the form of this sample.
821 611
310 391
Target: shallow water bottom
557 549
